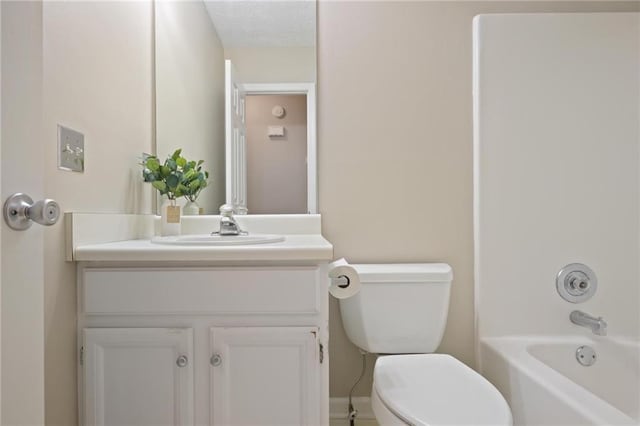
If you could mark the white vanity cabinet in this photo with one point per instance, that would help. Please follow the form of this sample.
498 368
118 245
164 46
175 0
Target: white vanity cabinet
202 345
265 375
123 365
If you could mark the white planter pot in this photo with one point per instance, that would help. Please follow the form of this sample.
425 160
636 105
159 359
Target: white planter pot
191 209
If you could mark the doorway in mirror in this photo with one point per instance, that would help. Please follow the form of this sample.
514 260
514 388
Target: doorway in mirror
270 147
276 137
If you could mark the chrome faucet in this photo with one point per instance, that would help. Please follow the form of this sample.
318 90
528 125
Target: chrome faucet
228 224
597 325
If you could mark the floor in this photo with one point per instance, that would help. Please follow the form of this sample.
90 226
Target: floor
362 422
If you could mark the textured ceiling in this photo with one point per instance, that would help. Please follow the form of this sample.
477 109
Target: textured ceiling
265 23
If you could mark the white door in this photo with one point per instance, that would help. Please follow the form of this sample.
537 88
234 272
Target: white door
22 291
235 142
265 376
138 376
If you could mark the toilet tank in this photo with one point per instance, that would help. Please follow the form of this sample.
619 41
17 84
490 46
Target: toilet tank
401 308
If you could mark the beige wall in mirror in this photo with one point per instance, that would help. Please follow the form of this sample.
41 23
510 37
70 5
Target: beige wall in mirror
193 39
189 96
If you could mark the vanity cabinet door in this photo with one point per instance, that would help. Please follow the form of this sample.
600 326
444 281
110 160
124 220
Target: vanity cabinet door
265 376
137 376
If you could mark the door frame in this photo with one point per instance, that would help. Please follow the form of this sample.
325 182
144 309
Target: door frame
308 89
235 140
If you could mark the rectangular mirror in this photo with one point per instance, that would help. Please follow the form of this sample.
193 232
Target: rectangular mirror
235 87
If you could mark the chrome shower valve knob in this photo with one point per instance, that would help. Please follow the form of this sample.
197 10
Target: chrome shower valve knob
576 283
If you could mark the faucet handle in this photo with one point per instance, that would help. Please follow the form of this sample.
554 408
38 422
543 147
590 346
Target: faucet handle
226 210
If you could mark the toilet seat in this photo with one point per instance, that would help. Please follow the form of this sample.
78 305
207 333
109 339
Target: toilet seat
436 389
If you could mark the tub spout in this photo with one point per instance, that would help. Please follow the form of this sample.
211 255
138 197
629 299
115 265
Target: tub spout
597 325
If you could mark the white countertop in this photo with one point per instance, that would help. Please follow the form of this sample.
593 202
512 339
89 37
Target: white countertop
307 248
106 237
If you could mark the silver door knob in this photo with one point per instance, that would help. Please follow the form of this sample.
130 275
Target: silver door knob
182 361
216 360
20 212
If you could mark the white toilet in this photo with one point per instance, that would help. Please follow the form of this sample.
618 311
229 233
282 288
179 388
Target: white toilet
402 309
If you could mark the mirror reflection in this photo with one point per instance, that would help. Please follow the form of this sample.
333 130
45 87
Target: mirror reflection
235 87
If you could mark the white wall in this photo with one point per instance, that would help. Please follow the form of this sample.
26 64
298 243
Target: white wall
276 166
98 69
395 139
557 151
190 92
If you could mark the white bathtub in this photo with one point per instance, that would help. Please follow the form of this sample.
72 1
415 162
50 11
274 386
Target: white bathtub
545 385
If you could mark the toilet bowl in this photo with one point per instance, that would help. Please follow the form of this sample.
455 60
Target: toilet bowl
401 311
434 389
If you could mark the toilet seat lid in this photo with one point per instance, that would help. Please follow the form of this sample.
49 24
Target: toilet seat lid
436 389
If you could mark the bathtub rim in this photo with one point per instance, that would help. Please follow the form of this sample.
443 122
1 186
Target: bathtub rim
513 350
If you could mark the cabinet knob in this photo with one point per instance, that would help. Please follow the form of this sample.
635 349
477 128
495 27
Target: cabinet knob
216 360
182 361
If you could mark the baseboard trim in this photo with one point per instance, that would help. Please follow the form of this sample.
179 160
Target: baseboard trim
339 408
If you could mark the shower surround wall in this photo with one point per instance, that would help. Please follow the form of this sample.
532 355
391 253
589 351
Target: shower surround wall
557 113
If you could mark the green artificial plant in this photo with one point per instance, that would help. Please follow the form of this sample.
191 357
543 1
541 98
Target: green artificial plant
176 177
194 180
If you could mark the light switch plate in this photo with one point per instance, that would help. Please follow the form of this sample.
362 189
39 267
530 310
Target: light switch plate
70 150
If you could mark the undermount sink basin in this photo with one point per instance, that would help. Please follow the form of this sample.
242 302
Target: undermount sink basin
218 240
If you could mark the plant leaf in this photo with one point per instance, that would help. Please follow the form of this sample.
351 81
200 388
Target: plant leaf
148 175
181 190
189 174
172 182
152 164
159 185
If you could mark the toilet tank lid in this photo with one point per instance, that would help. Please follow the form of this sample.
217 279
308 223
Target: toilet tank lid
404 272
